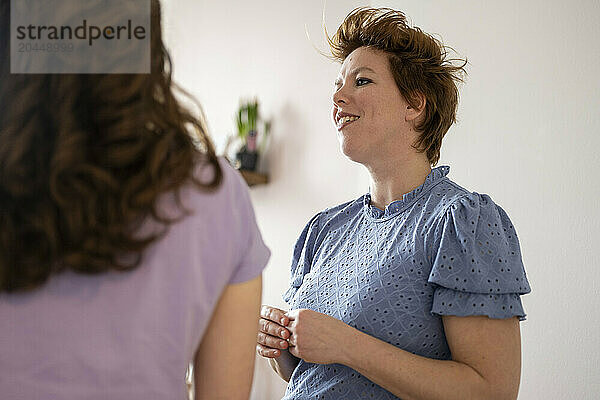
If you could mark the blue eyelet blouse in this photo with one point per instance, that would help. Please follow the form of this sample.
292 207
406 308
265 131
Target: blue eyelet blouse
392 274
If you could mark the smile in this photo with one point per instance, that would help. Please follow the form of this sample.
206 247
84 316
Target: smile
345 121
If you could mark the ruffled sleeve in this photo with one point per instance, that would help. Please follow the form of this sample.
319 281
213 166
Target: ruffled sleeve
476 262
302 257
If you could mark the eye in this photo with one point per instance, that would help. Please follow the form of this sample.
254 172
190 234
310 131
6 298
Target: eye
362 81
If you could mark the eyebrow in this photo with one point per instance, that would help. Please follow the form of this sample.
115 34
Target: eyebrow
355 72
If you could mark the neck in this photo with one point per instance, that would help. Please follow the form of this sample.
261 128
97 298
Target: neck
392 179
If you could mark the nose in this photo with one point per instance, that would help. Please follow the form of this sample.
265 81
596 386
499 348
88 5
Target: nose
339 96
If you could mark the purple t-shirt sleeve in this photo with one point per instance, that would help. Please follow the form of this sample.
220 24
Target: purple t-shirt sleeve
254 254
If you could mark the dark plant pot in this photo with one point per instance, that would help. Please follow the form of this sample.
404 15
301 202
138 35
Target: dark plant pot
247 159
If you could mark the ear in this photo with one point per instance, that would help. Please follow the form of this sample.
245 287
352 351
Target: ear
413 113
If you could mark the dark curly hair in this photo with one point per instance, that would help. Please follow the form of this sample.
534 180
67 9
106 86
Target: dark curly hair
418 63
83 160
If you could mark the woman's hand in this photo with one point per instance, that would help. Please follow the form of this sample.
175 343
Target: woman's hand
272 332
316 337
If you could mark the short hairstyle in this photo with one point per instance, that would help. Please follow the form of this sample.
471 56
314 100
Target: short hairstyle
418 62
83 161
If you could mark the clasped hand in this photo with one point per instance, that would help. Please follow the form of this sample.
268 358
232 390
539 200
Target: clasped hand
307 334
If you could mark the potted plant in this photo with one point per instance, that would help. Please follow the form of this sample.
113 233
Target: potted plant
247 120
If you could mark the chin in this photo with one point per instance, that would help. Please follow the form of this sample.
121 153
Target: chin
351 153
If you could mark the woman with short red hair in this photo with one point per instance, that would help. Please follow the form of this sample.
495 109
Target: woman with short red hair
412 290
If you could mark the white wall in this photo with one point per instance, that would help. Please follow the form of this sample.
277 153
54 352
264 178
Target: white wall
527 135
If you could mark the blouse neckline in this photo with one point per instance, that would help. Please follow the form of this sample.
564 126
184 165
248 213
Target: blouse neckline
397 206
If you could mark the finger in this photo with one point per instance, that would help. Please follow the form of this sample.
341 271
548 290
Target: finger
274 314
292 341
292 314
271 341
267 351
272 328
291 327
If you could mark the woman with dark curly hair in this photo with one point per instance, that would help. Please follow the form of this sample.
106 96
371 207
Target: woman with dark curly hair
121 234
412 290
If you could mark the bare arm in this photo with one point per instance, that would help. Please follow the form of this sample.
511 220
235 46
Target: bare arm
486 362
284 365
224 362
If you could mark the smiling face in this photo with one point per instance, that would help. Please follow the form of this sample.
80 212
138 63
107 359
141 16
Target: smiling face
372 118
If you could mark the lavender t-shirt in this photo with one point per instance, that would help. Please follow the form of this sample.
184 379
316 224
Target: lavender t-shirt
131 335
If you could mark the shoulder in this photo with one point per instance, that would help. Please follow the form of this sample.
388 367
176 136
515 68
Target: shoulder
232 192
198 209
464 219
231 179
336 215
452 199
326 220
474 246
447 194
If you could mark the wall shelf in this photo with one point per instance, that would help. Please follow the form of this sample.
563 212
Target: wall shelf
254 178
